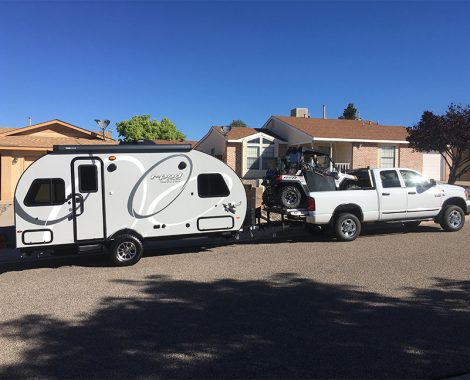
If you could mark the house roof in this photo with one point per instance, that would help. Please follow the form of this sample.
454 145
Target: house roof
237 133
345 129
25 137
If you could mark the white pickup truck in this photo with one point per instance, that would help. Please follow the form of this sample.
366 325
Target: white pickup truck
388 195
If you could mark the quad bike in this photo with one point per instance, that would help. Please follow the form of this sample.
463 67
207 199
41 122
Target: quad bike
302 171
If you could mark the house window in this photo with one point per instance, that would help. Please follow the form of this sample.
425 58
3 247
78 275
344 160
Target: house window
260 154
212 185
46 192
387 157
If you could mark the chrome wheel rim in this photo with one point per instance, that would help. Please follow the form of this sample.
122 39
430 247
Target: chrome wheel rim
348 227
126 251
455 219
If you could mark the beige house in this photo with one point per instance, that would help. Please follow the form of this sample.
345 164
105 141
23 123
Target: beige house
19 147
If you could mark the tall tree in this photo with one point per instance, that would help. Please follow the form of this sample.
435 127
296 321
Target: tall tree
349 113
449 134
143 127
238 123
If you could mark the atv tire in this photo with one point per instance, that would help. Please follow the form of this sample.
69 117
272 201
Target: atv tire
290 197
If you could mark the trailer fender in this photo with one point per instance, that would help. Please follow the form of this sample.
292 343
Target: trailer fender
125 231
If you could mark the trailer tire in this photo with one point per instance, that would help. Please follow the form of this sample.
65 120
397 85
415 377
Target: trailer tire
347 227
290 197
126 250
452 219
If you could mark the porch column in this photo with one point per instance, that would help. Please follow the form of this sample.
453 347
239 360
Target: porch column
6 174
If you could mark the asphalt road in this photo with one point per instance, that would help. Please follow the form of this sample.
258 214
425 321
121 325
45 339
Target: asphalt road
391 304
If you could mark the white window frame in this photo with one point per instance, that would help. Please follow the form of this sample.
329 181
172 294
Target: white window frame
261 147
380 157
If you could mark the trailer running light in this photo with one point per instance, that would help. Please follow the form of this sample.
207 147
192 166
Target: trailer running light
311 204
112 158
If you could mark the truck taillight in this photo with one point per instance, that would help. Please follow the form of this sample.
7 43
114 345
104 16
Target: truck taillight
279 178
311 204
467 194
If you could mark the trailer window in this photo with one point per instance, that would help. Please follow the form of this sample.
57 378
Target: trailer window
87 178
211 185
46 192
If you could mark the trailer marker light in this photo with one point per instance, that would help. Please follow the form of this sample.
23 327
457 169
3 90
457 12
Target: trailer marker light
112 158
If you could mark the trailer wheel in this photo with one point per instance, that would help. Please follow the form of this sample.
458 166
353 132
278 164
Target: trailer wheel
347 227
452 218
126 250
290 197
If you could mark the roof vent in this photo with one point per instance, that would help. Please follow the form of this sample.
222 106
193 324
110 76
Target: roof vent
299 112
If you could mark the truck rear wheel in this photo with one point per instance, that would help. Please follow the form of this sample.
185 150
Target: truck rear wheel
290 197
126 250
347 227
452 219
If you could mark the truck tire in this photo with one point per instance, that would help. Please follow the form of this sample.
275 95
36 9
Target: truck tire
452 219
290 197
347 227
126 250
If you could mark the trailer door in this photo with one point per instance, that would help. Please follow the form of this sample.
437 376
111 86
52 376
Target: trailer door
88 199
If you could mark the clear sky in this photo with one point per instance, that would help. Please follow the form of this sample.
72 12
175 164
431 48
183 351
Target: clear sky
207 63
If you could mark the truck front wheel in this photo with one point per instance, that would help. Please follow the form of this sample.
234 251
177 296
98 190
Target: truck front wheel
347 227
126 250
452 218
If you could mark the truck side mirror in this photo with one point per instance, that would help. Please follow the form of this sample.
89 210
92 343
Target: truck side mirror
432 182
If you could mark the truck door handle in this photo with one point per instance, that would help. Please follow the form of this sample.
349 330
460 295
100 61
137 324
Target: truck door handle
385 194
411 192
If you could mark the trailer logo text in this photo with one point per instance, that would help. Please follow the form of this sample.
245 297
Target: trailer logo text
168 178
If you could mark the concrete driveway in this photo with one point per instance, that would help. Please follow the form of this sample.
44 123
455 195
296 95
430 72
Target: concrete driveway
392 304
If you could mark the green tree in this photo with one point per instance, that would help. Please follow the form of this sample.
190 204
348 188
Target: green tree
449 134
238 123
143 127
349 113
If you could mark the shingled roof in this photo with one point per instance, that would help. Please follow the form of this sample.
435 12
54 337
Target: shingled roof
345 129
27 137
237 133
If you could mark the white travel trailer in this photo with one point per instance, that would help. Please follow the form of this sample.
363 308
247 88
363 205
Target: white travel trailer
119 195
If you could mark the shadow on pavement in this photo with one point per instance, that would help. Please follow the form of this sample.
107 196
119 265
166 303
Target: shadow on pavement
283 327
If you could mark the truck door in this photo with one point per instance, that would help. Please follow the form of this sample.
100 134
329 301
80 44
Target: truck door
88 199
392 194
423 199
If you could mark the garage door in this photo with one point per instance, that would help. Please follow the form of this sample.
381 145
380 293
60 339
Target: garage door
432 165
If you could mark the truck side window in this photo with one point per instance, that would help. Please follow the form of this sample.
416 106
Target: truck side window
87 179
389 178
46 192
211 185
412 179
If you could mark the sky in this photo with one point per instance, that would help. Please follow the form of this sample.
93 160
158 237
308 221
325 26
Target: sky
207 63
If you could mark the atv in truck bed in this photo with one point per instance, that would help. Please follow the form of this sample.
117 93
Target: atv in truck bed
302 171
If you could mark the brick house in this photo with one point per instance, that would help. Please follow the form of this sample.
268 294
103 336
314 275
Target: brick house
19 147
355 143
248 151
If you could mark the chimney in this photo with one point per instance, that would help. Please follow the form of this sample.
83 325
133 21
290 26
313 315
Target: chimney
324 111
299 112
30 121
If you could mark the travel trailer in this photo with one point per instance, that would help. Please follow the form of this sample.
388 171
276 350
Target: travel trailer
119 195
